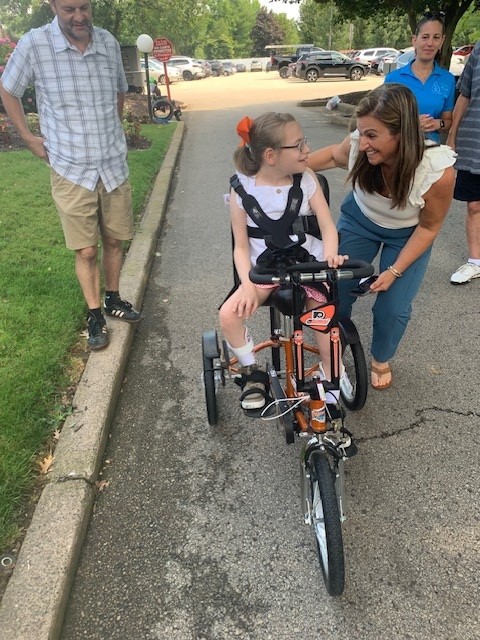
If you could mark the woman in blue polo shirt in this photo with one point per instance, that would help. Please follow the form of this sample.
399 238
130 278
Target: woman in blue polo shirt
432 85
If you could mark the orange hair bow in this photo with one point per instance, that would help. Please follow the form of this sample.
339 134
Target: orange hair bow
243 130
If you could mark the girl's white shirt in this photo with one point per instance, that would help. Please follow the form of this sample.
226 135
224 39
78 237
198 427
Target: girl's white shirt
273 201
377 208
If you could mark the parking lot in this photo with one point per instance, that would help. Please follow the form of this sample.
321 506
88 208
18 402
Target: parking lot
243 89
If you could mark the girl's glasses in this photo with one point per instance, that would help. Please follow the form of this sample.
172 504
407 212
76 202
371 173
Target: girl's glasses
300 145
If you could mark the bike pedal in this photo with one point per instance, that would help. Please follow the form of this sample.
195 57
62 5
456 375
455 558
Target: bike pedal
350 450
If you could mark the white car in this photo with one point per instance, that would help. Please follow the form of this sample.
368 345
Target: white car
365 56
190 69
157 71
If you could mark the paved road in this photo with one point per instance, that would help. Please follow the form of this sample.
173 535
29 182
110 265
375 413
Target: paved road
198 535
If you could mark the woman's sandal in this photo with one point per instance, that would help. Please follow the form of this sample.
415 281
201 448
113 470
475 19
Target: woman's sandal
381 372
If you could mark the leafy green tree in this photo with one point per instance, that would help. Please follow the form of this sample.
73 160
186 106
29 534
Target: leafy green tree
468 28
412 9
290 29
266 30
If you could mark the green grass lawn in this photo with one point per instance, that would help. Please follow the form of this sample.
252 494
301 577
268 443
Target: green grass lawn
42 313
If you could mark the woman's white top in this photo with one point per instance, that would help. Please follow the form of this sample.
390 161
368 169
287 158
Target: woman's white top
377 208
273 201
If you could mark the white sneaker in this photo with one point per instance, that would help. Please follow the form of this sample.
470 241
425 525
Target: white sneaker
465 273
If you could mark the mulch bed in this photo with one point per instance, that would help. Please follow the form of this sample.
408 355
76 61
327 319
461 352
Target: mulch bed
135 109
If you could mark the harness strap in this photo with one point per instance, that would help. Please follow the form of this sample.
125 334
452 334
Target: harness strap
281 229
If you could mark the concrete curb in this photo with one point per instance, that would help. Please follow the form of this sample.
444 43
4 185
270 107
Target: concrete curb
36 596
341 115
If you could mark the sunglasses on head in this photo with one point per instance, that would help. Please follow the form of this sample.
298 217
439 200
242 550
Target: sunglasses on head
434 15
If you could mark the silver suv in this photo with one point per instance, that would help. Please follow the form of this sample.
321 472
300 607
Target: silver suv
191 70
365 56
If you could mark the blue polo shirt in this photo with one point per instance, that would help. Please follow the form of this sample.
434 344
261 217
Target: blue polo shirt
434 97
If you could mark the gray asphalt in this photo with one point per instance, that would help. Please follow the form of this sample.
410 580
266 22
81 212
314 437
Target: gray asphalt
198 534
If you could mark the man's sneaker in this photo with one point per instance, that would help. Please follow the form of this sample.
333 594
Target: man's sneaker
122 310
465 273
97 333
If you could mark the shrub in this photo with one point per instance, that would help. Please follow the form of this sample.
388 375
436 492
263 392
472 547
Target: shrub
28 100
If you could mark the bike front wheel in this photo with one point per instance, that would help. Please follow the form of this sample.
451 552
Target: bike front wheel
326 522
354 386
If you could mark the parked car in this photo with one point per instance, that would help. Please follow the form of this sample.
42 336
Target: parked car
229 69
330 64
389 62
190 69
205 66
292 67
156 71
217 67
256 65
466 50
241 68
365 56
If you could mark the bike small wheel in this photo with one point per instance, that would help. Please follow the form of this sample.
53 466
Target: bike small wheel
326 522
210 352
162 110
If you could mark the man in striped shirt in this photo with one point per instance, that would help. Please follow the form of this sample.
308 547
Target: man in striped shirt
80 86
463 137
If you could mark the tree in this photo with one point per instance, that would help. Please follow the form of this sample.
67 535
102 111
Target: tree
266 30
413 9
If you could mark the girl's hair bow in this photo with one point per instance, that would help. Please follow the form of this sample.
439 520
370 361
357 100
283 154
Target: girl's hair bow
243 130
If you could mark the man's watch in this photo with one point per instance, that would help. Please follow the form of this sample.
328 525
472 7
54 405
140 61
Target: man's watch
442 124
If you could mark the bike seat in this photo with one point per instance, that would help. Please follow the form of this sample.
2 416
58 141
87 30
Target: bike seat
282 300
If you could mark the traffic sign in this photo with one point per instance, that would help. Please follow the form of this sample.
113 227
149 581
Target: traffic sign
162 49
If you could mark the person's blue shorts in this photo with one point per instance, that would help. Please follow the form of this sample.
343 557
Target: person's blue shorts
467 186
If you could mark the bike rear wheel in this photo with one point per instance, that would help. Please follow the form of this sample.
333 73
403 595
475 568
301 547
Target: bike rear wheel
326 522
210 352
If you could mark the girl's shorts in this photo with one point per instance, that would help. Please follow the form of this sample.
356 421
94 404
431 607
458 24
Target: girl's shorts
312 292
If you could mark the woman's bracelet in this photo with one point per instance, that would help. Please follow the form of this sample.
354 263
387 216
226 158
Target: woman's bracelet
395 272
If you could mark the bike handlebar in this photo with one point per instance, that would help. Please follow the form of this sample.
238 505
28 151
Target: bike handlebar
311 272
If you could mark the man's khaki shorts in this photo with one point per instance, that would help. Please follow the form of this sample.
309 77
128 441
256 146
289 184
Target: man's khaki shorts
86 215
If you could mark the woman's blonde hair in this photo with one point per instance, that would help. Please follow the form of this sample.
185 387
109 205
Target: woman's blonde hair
395 106
266 132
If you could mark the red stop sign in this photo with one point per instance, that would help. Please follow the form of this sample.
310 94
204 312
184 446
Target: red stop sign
162 49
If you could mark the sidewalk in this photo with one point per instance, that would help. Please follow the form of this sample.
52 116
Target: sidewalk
34 602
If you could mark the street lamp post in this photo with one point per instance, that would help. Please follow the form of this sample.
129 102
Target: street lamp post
145 46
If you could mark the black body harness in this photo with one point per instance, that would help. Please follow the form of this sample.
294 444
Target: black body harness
276 233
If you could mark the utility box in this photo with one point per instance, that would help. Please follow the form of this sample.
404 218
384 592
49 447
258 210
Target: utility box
136 78
388 66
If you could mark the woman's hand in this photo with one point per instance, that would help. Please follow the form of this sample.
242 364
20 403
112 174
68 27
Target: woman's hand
247 301
383 282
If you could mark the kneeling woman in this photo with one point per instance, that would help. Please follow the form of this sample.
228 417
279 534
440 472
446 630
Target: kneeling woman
402 189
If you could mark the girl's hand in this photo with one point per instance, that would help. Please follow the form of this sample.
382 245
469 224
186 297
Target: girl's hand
383 282
247 302
335 261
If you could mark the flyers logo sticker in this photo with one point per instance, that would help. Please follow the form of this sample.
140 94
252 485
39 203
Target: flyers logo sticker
318 318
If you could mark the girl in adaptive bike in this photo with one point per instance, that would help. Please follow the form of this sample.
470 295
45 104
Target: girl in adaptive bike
272 190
